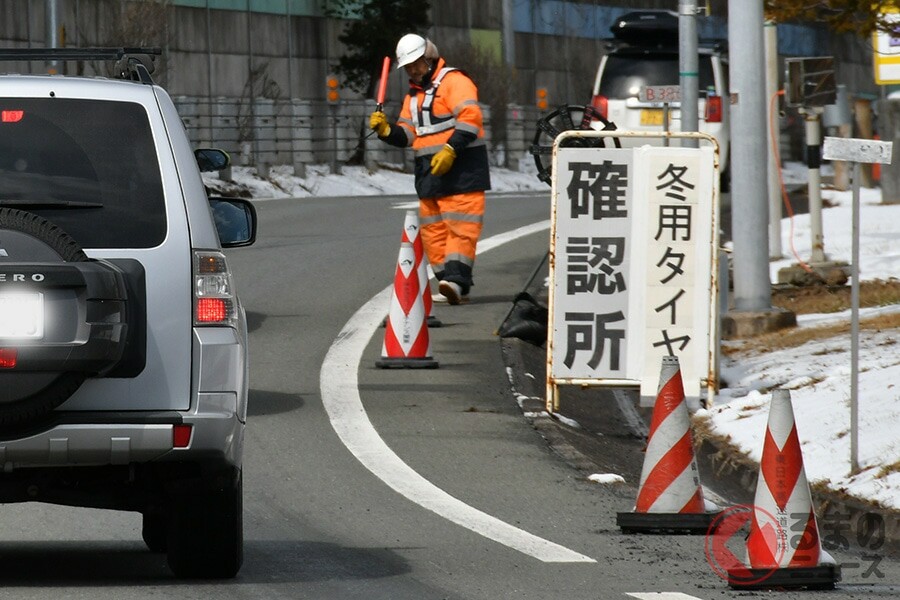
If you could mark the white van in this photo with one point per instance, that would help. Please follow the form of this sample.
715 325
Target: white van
645 54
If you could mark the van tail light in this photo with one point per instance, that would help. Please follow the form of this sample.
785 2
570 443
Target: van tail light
601 104
8 358
11 116
714 109
214 299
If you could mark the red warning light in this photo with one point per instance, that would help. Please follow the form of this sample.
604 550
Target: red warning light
8 358
11 116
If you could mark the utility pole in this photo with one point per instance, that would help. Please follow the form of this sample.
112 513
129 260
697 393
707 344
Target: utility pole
774 186
509 36
51 29
752 286
752 313
688 68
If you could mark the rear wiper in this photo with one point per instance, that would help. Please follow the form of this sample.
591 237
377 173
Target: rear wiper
49 204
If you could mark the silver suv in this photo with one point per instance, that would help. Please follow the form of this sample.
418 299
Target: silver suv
123 345
644 54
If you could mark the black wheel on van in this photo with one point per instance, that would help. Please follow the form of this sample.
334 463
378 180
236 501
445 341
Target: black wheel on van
567 118
70 320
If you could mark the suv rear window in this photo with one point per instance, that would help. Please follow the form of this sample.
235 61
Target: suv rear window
95 157
625 73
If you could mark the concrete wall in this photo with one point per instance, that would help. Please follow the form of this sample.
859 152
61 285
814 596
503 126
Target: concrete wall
266 67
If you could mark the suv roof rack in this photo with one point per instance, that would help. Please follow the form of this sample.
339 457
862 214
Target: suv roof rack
134 64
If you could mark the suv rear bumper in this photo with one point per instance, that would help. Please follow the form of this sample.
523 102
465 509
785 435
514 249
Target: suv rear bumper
98 439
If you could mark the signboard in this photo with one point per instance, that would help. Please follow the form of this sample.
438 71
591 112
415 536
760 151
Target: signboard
857 150
886 48
810 82
633 277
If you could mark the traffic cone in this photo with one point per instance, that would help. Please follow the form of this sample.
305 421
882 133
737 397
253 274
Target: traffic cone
411 231
782 509
406 343
670 497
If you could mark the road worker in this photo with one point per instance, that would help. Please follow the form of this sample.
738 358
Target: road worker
442 121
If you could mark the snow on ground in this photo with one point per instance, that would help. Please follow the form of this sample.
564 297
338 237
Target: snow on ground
319 181
818 373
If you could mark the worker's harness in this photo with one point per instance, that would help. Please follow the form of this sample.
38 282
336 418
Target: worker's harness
426 122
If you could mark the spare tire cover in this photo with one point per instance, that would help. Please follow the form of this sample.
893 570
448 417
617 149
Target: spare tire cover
29 396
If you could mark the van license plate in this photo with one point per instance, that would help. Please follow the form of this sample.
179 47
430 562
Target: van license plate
22 316
651 116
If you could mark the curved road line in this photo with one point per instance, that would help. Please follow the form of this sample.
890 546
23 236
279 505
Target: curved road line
340 395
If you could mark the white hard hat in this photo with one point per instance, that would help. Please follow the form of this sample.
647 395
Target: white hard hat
410 48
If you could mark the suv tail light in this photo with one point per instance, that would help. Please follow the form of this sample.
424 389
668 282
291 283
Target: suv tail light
714 109
214 298
601 104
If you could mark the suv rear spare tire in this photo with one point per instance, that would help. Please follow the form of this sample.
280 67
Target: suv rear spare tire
62 317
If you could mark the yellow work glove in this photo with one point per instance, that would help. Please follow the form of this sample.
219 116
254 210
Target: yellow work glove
379 123
443 160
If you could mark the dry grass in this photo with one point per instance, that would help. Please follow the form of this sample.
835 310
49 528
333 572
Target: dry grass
824 299
888 469
804 300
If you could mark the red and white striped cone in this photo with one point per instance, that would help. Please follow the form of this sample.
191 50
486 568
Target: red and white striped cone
406 343
782 508
411 232
670 497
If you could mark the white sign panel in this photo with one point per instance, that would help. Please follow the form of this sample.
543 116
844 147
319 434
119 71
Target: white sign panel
857 150
632 277
590 287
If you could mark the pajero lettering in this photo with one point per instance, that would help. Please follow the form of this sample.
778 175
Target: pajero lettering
21 277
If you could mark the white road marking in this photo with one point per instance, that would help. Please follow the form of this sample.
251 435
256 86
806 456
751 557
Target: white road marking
340 395
662 596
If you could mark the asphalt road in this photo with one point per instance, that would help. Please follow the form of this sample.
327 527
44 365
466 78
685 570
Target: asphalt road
516 521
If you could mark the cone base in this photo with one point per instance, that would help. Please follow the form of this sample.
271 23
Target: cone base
822 577
406 363
689 523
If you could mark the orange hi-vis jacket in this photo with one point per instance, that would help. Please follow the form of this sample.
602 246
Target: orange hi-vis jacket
444 111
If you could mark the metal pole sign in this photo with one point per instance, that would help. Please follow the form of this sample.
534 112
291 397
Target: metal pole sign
856 151
633 271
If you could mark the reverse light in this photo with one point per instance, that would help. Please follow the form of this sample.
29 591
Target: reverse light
11 116
714 109
601 103
8 358
181 436
22 316
214 299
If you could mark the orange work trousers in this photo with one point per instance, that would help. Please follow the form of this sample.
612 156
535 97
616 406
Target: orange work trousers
450 229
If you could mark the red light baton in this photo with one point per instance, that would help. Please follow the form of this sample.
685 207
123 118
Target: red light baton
382 85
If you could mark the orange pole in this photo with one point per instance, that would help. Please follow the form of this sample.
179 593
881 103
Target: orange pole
382 85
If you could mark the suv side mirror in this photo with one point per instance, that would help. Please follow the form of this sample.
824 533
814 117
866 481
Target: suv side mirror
211 159
235 221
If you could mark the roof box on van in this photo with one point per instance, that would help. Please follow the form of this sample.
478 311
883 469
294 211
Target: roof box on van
647 27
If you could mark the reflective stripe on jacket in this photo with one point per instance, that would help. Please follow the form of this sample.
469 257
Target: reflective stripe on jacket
446 112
